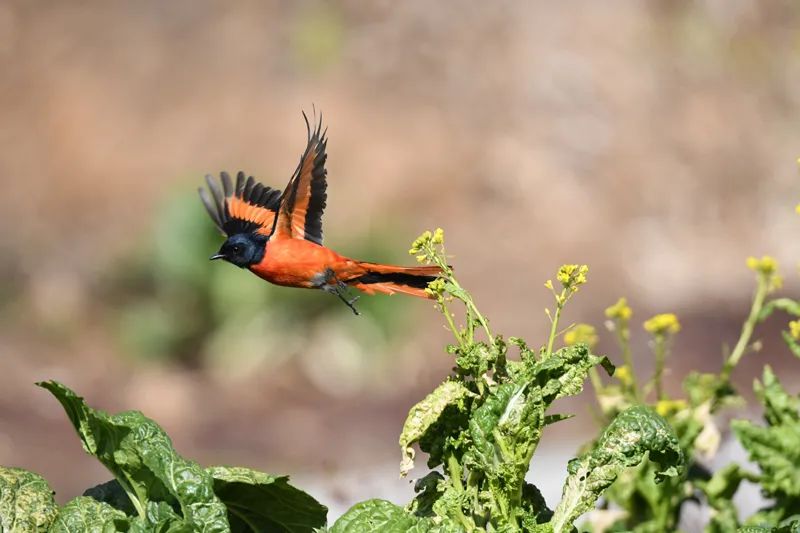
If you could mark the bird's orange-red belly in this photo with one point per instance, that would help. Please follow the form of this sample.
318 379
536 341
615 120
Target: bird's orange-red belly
299 263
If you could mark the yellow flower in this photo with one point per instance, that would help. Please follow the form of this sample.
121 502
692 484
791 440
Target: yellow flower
584 333
435 287
619 310
572 276
420 242
624 375
794 329
438 236
767 265
663 324
667 407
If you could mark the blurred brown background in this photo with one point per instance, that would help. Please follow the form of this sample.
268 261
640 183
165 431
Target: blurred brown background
655 141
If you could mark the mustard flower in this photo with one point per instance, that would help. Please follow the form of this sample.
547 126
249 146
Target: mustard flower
794 329
581 333
572 276
662 324
620 310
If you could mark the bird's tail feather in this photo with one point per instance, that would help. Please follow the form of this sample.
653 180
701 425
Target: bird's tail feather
388 279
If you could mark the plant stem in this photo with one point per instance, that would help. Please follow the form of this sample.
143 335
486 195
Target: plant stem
747 329
661 355
454 469
471 309
597 384
554 325
623 338
450 323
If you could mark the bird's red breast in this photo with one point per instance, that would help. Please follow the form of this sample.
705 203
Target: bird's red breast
301 263
250 213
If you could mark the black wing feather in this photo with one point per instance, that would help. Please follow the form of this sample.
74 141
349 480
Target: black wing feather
248 190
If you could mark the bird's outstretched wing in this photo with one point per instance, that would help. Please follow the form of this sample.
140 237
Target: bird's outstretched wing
303 201
246 207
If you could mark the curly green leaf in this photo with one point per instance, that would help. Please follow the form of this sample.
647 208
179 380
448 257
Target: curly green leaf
26 501
633 435
425 414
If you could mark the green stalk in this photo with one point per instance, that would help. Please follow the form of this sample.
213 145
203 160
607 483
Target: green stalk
747 329
661 355
471 309
623 338
454 469
450 323
554 325
597 383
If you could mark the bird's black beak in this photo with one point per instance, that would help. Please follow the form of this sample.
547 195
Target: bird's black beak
217 256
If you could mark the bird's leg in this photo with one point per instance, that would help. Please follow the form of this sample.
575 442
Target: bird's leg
335 286
340 292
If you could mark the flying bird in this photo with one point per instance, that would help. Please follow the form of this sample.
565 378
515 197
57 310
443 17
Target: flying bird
278 235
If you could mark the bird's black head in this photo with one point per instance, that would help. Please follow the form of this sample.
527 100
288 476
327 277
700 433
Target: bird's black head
243 249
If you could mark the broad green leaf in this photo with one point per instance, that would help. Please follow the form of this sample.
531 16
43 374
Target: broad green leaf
429 489
159 517
483 422
703 387
776 451
141 457
259 502
779 406
776 447
536 511
636 433
425 414
87 515
791 525
112 493
26 501
565 371
719 492
380 515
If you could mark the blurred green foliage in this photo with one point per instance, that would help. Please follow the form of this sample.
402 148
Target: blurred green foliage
318 36
174 304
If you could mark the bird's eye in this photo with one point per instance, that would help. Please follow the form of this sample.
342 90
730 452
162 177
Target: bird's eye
237 249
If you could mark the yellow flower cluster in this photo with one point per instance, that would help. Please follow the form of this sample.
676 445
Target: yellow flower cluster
668 407
794 329
663 324
767 265
421 245
572 276
624 374
584 333
435 287
619 311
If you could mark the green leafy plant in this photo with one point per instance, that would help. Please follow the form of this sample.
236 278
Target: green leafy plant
637 503
480 428
154 489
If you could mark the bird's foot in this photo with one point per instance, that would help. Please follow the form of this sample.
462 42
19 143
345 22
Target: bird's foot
340 289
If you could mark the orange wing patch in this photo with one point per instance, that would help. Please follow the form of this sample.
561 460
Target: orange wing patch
303 201
246 208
